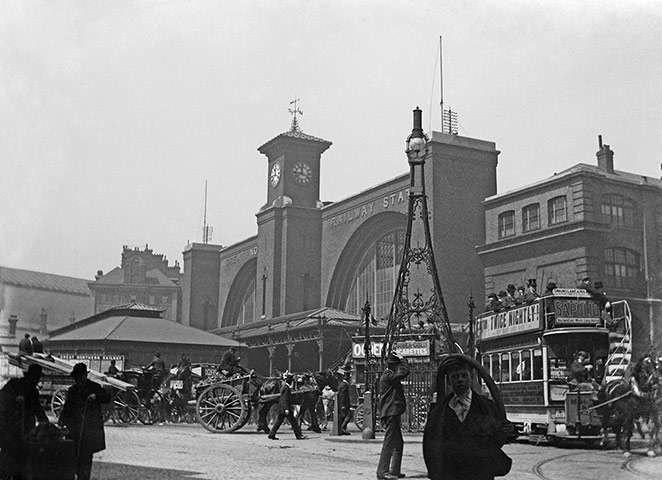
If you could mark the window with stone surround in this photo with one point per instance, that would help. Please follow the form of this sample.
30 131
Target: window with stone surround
622 267
557 210
531 217
618 210
507 224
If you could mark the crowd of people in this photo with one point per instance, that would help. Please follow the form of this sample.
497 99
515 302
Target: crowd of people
514 296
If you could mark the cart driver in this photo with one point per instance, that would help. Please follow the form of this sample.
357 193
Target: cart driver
230 363
158 366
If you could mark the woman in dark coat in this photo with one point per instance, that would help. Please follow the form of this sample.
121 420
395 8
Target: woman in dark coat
81 414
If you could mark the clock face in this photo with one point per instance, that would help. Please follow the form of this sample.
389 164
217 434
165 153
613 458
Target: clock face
274 177
302 172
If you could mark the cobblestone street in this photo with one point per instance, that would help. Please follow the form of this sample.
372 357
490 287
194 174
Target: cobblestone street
187 452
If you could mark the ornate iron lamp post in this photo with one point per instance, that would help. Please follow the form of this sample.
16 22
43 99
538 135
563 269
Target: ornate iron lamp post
418 271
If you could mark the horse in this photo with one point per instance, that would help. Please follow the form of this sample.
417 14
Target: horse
307 391
622 402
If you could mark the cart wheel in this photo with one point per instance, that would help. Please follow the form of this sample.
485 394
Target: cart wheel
127 406
358 416
246 416
220 408
57 401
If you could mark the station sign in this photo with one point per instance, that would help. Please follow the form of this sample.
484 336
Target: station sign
409 348
509 322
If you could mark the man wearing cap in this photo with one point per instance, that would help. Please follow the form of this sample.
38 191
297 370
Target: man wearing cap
493 304
19 411
392 404
580 371
285 410
344 407
464 434
81 414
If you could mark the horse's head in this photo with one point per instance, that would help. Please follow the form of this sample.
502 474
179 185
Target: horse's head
270 385
324 378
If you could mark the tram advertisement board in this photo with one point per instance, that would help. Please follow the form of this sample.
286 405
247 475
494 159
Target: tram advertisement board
509 322
522 393
409 348
570 312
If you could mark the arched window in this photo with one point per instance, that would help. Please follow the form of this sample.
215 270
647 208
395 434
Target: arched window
247 305
618 210
622 267
531 217
376 275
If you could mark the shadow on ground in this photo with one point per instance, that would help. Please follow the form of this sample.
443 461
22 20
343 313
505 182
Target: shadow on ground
120 471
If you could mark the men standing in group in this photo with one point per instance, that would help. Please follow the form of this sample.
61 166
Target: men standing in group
344 407
285 410
392 404
19 411
465 430
81 414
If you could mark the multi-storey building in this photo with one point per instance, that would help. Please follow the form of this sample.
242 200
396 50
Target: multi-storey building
588 220
313 262
143 277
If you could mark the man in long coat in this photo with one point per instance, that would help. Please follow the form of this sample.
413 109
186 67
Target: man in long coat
392 404
344 406
465 431
285 410
19 411
81 414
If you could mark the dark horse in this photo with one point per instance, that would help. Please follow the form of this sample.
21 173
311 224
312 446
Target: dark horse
630 400
307 392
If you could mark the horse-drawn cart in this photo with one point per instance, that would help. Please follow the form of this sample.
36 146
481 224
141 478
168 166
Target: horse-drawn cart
56 380
224 405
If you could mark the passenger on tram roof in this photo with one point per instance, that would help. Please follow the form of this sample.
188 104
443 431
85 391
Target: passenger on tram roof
519 298
493 304
505 300
531 295
511 293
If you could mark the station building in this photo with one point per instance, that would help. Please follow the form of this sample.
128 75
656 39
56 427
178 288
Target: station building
588 220
321 260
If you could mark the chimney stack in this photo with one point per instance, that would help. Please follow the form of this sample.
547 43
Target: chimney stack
605 157
13 320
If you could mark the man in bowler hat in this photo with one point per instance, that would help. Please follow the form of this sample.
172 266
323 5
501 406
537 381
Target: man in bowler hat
81 414
285 410
465 430
392 404
344 407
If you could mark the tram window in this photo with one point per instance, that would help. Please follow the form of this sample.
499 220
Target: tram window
505 367
516 366
537 364
495 373
526 365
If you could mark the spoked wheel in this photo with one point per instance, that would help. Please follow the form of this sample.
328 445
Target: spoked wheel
358 416
126 404
246 416
221 408
57 401
151 408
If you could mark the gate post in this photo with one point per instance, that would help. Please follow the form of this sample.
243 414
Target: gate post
335 430
368 432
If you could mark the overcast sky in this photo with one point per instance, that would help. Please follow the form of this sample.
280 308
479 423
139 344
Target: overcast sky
114 113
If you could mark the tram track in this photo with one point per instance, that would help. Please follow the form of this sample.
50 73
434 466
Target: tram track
628 465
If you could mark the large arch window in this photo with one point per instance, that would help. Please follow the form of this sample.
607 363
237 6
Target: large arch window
618 210
247 305
240 304
622 267
376 275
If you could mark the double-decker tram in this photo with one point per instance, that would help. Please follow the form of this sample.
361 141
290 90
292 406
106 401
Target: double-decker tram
529 350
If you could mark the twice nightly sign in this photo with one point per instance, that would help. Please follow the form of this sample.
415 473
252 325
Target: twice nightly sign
509 322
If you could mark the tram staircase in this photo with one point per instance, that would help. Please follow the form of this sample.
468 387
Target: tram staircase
620 342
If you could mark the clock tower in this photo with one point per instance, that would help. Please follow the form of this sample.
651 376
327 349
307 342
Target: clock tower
290 225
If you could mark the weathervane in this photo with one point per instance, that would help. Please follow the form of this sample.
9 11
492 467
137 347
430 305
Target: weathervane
294 111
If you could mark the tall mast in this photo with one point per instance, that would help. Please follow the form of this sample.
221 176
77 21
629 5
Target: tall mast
441 81
205 232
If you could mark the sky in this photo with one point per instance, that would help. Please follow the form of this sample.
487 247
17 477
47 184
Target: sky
114 113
